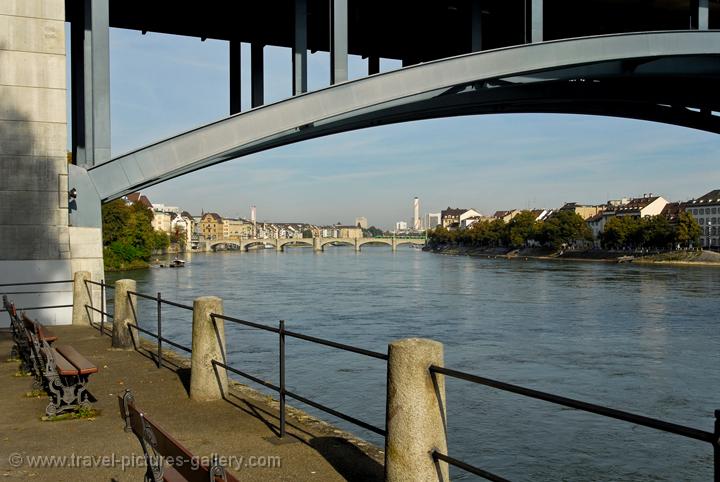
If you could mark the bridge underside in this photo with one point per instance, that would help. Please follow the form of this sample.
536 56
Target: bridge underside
668 77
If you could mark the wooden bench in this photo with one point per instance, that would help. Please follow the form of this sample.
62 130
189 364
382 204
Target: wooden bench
166 458
23 343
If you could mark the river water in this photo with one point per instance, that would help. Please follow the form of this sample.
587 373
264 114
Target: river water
641 338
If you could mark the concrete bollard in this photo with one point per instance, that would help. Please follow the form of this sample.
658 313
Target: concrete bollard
81 315
126 311
416 423
208 381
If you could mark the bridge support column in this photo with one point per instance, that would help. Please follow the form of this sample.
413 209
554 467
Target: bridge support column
357 245
394 244
416 418
235 76
300 48
257 70
317 244
339 41
703 15
278 246
536 21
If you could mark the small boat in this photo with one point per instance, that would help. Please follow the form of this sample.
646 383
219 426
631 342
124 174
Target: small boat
176 263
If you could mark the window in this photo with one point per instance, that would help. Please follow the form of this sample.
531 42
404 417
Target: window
714 220
702 211
701 221
714 210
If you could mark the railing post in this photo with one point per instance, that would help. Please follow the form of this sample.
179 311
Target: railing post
126 311
102 307
81 299
415 415
159 330
716 446
282 377
208 381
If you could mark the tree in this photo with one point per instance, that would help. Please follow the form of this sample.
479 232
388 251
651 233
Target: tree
659 232
521 228
372 232
563 228
687 230
128 235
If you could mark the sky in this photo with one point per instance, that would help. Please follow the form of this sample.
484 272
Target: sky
162 85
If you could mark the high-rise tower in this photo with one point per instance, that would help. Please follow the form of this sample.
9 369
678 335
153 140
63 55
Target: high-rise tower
416 214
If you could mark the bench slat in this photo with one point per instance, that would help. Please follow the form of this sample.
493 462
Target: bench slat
83 365
36 327
64 367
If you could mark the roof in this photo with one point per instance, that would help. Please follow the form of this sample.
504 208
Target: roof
502 214
216 217
452 212
672 210
595 218
137 198
636 204
713 197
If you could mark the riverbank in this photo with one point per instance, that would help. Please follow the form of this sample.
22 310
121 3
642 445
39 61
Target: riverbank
689 258
244 425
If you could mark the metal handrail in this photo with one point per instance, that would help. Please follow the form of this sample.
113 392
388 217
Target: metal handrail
163 301
37 283
100 283
154 335
282 332
653 423
39 308
467 467
656 424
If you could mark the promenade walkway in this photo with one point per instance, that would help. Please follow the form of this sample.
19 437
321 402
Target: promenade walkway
242 426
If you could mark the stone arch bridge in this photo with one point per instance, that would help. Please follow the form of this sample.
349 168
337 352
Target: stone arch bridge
318 244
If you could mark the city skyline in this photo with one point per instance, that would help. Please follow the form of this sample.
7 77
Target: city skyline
484 162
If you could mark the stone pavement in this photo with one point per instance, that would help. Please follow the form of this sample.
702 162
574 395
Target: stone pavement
243 425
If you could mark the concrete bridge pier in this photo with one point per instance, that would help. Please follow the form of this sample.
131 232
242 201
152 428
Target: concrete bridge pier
357 245
317 244
394 244
278 246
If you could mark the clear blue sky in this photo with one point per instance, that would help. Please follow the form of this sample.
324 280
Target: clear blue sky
162 85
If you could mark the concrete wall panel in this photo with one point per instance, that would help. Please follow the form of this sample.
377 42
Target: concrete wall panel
33 242
32 208
30 174
38 139
31 69
32 35
33 8
38 104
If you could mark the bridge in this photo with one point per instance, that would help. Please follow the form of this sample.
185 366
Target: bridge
318 244
655 61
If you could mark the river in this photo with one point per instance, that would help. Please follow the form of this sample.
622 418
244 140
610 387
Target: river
641 338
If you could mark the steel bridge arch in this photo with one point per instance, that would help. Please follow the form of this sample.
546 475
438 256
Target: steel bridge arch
668 77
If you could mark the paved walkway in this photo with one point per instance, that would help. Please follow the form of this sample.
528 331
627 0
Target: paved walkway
241 426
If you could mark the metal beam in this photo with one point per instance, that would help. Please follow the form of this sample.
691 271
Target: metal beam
703 15
373 65
300 48
338 41
90 48
257 71
476 27
441 89
235 79
536 21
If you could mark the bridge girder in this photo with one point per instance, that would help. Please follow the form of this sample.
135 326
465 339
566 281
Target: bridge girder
661 76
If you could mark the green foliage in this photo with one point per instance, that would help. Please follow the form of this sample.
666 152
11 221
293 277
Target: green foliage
520 229
654 232
563 228
373 232
128 236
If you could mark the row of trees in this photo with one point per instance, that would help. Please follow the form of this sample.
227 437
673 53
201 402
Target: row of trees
564 228
653 232
128 236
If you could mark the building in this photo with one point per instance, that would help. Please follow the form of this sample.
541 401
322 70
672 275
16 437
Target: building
506 216
401 226
706 209
416 214
237 229
585 211
361 222
352 232
642 207
432 220
211 226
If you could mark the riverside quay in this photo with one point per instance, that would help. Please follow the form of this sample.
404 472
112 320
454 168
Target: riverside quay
92 387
